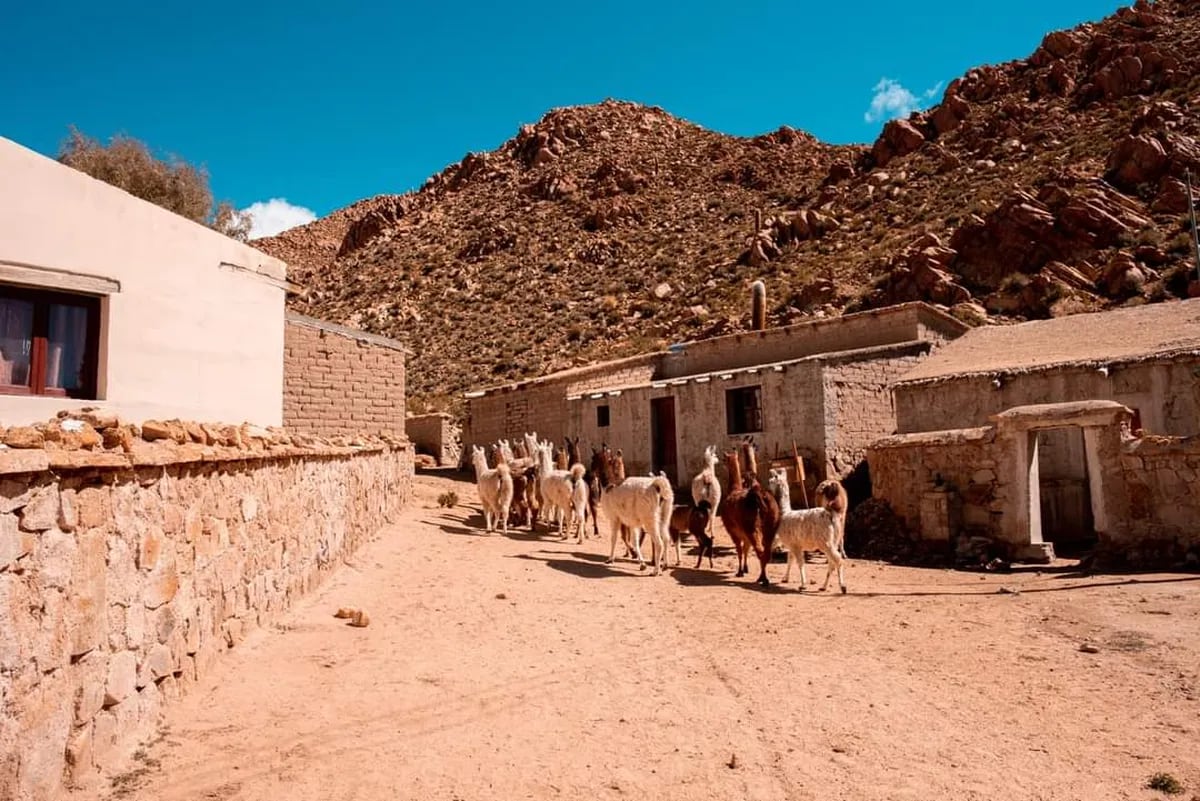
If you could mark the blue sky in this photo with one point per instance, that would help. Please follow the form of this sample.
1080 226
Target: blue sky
321 104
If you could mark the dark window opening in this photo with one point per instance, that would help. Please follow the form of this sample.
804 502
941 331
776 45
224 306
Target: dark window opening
1135 425
602 416
743 410
49 343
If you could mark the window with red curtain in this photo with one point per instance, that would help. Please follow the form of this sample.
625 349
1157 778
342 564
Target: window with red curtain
49 342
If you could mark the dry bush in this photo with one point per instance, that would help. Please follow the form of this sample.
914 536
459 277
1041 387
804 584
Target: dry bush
172 183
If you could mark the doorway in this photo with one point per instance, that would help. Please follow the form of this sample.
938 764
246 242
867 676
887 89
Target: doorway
1064 486
662 438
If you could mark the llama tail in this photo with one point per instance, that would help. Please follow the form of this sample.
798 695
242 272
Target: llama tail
577 472
666 499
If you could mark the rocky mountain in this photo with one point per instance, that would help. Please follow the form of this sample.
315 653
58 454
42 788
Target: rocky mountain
1045 186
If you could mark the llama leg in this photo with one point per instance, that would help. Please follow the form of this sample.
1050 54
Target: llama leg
831 558
803 572
787 574
615 527
636 533
656 553
835 560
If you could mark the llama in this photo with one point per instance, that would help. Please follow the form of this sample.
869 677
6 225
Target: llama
694 520
705 486
579 501
803 530
558 488
640 503
750 515
495 490
524 505
839 504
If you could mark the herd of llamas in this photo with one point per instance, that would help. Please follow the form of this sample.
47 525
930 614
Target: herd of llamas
532 479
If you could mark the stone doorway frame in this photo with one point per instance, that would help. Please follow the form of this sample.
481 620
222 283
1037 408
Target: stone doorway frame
1017 429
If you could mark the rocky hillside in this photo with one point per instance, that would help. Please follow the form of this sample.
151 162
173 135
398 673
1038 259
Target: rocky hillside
1046 186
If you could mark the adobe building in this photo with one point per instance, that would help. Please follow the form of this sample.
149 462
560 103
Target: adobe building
1029 434
822 386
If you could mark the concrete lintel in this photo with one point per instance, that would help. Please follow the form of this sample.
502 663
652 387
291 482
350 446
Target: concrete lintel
954 436
1059 415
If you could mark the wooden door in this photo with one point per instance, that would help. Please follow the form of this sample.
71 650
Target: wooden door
662 438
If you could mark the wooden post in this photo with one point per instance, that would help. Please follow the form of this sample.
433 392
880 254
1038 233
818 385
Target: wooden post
800 477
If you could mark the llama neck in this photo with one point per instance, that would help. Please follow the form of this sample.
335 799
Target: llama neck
784 496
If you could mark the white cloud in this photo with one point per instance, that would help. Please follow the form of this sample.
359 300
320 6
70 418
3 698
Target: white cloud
273 216
893 101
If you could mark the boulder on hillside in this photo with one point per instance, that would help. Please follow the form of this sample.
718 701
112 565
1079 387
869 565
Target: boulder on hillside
1136 160
372 223
1064 222
899 138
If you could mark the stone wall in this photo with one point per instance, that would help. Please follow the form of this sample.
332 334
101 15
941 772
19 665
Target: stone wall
984 484
941 485
1162 477
339 381
437 435
126 572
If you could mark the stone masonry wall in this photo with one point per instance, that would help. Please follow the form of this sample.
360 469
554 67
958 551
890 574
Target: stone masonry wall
911 472
126 573
339 381
1162 523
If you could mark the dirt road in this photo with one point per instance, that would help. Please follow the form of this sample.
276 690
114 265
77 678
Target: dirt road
523 667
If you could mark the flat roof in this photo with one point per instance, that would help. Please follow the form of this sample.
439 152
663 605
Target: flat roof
940 316
1121 335
834 357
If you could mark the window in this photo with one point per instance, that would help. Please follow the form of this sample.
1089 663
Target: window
602 416
49 343
743 410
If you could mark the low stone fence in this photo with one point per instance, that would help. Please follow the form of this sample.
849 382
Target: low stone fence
1162 479
978 489
943 484
132 557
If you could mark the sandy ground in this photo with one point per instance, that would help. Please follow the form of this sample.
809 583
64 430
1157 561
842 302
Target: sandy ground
524 667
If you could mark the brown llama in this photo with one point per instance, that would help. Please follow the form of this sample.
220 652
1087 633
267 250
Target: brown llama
750 514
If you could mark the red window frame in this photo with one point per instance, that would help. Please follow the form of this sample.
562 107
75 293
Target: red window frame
42 299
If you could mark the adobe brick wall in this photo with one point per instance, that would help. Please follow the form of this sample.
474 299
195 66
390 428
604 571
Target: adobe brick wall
1166 394
858 399
436 434
341 382
121 586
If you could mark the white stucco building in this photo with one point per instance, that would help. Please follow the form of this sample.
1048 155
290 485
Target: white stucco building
112 301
